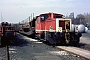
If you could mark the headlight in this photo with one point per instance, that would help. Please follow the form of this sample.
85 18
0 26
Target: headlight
51 28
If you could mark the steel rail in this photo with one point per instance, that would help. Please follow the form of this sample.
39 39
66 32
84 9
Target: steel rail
7 52
80 53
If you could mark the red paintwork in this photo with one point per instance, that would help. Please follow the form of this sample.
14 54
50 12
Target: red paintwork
50 21
46 25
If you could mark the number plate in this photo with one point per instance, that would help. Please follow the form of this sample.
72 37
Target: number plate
59 29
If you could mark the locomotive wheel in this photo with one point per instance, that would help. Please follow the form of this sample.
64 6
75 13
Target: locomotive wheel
50 38
75 40
40 36
33 35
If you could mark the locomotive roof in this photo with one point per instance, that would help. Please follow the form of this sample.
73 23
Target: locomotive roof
50 13
44 14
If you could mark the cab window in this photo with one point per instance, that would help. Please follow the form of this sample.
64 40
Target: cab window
38 20
43 18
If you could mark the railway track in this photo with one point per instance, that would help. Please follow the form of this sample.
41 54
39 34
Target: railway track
73 53
78 52
4 53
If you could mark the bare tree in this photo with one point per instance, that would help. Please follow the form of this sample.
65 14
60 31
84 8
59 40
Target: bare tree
87 19
80 19
71 16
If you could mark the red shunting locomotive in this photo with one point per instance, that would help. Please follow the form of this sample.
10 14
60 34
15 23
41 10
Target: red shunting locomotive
55 29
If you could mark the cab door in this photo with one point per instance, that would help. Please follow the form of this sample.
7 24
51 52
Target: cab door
38 25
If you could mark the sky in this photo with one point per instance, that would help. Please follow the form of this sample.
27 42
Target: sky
14 11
